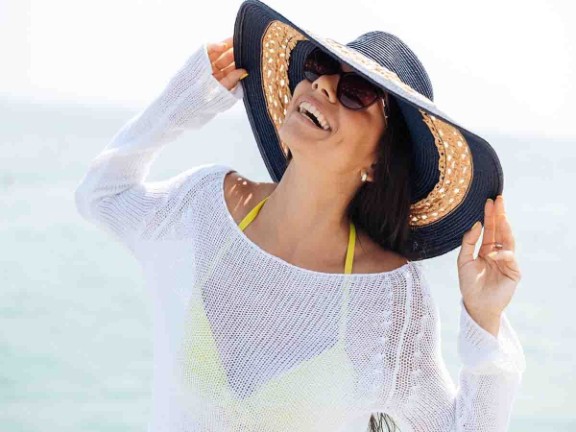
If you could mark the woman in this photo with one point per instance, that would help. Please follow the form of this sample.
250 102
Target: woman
267 317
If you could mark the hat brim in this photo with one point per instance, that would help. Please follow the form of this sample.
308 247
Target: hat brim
431 235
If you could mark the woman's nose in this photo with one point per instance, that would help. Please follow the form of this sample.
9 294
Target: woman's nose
327 84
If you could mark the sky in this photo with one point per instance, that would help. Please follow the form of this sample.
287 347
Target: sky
508 66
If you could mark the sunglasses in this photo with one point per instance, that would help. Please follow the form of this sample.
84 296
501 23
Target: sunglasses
353 91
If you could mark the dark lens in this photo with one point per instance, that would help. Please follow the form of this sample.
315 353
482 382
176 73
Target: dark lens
355 92
319 63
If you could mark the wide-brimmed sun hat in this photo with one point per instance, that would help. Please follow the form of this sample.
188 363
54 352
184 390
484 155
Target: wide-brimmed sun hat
454 171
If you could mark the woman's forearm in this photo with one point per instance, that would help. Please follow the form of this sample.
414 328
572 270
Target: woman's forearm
113 192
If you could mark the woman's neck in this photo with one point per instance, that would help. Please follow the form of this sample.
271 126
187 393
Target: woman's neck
305 213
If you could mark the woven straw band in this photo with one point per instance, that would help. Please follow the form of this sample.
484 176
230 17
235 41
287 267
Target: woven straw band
455 161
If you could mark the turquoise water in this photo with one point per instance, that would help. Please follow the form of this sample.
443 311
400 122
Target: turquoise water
75 350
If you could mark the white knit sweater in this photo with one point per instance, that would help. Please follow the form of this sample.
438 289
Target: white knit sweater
247 342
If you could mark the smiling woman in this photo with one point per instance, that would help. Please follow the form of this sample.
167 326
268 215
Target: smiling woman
268 317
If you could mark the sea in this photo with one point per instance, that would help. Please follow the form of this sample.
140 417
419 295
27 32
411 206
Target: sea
75 325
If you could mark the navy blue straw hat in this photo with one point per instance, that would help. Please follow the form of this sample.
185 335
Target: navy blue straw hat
454 171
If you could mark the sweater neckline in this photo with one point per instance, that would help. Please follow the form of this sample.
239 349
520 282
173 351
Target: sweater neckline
259 250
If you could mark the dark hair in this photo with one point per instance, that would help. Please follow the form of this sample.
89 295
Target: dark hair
382 208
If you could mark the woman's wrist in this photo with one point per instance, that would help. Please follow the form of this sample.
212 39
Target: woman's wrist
489 321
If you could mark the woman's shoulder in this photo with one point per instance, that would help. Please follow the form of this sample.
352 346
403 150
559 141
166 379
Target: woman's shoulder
242 194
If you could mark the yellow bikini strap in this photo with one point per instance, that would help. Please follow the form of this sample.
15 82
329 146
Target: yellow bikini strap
252 214
350 251
351 238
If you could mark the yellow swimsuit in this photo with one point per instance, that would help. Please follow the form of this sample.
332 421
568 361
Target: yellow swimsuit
288 401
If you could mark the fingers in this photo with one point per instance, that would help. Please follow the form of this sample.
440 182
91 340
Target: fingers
224 60
217 48
503 228
502 255
223 44
231 78
223 66
507 263
497 229
230 68
222 73
469 241
489 236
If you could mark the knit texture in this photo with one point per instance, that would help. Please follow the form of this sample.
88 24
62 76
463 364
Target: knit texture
247 342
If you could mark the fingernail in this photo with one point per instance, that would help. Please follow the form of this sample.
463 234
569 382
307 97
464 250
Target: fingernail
244 75
476 225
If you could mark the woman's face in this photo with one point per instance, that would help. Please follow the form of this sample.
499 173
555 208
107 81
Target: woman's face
350 143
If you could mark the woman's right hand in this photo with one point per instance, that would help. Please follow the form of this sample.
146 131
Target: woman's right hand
223 67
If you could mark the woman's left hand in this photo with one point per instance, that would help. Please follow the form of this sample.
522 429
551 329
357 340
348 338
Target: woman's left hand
488 282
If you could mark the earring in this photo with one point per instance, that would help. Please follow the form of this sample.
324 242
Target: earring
364 176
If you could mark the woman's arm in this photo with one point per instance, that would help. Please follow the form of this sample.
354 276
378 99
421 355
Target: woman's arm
426 398
491 354
113 193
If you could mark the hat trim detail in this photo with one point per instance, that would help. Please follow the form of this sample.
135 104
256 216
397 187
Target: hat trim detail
456 173
278 36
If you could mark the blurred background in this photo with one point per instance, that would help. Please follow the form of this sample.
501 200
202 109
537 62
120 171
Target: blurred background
75 347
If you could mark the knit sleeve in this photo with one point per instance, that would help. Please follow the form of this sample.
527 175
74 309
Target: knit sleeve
114 193
488 380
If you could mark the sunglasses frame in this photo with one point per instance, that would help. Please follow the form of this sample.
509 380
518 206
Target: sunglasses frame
380 94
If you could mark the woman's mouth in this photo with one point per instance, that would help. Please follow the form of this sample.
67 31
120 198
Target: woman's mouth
314 115
310 120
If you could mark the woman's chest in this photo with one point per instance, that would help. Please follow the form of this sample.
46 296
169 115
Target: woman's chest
253 334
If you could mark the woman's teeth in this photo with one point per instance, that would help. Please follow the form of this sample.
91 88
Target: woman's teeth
317 117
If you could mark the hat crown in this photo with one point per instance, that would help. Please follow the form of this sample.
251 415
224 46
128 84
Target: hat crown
391 52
